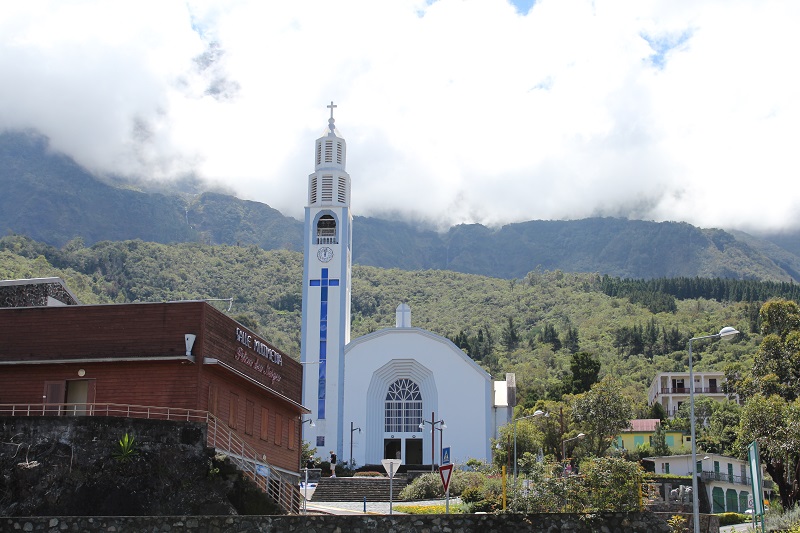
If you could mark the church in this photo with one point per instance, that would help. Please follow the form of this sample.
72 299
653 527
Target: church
396 393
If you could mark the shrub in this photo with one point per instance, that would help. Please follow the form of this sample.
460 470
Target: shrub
613 484
462 480
368 474
422 509
727 519
471 495
424 487
787 521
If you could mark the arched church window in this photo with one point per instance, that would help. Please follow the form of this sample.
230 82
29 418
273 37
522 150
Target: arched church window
326 230
403 409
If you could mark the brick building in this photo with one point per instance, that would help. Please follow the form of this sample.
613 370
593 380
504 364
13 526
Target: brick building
182 355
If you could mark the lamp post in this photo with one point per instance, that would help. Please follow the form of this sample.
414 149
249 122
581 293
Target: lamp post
579 436
441 429
433 422
352 429
726 333
305 469
538 412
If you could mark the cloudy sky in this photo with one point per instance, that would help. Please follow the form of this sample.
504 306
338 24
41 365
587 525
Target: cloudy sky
453 110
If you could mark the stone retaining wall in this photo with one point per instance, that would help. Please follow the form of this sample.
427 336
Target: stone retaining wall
508 523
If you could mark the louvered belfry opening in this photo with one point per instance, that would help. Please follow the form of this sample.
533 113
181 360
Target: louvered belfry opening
326 230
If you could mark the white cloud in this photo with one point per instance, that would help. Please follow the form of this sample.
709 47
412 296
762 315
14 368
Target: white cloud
453 111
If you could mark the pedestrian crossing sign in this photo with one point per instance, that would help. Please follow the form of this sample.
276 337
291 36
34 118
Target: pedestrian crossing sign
446 456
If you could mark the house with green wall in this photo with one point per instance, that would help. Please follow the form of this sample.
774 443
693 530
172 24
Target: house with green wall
641 431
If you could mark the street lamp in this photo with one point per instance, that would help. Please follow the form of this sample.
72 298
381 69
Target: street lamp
441 429
352 429
433 422
538 412
726 333
579 436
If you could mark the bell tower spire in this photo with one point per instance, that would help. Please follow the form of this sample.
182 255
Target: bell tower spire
327 249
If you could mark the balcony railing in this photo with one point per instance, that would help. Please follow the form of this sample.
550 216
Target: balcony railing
724 477
697 390
277 485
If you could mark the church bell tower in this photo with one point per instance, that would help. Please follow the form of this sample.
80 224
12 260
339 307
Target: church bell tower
325 329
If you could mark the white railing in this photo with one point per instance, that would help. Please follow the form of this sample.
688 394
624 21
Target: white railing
277 485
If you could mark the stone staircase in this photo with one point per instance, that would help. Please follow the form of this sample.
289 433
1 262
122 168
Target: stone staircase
355 489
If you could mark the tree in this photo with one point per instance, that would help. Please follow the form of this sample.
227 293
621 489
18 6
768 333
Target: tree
571 340
549 335
658 444
585 369
776 367
773 422
771 413
510 335
602 413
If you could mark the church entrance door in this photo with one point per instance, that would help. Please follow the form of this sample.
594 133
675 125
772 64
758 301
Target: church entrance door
391 449
413 451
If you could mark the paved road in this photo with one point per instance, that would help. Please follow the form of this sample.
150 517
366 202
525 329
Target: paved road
351 508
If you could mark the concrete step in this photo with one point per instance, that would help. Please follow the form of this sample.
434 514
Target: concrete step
355 489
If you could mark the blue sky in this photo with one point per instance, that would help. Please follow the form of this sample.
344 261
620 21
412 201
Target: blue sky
453 111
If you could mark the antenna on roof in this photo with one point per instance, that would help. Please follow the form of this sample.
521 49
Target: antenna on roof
229 300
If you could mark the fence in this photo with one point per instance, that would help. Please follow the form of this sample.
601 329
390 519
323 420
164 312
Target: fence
278 486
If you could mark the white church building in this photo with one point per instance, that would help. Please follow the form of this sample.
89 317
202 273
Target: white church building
400 392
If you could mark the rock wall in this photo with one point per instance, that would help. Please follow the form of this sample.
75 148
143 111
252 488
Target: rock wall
59 466
508 523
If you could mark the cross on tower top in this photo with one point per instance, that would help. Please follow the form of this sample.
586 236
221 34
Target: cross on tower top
332 107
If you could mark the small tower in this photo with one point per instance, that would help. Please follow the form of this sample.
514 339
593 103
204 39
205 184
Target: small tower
325 328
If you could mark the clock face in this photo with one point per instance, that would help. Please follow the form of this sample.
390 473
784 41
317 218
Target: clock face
325 254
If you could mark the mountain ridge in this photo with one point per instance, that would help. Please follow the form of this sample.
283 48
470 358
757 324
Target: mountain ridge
50 198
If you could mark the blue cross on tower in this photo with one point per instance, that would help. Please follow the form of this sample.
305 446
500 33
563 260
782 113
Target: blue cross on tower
323 283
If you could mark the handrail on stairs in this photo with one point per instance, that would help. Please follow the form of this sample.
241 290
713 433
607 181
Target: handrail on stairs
274 483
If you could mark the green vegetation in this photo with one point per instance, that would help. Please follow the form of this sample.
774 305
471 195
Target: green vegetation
551 328
427 509
581 352
771 412
125 449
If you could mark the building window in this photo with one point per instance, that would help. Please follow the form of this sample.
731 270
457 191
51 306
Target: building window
403 407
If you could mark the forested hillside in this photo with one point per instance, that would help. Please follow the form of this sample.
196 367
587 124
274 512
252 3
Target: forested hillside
540 327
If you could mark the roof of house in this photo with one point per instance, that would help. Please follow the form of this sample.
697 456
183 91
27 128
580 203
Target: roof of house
644 424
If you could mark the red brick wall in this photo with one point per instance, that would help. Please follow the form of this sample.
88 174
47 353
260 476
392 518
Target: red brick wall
141 332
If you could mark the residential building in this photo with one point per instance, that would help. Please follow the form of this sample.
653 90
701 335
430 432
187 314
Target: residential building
671 389
725 480
641 432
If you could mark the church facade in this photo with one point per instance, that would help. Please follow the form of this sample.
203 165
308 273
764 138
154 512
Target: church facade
400 392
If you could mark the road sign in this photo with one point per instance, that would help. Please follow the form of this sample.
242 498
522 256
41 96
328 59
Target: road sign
446 455
391 466
444 472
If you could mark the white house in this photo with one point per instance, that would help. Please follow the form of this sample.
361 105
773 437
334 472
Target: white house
726 480
671 389
373 393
